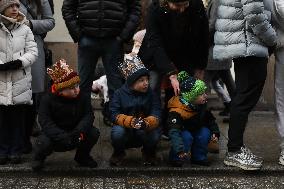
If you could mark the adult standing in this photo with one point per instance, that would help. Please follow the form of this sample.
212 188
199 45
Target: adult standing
277 10
18 52
243 34
101 27
41 21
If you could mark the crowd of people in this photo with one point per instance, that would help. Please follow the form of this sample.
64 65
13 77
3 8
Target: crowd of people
183 50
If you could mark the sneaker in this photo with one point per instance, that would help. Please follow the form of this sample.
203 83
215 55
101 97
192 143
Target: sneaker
3 160
15 159
37 165
243 159
86 162
117 159
281 158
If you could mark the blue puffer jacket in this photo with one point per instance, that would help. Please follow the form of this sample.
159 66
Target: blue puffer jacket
132 103
242 29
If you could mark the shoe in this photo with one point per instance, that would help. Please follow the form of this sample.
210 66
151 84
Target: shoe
15 159
176 163
117 159
213 147
226 110
243 159
37 165
149 159
3 160
201 162
281 158
86 162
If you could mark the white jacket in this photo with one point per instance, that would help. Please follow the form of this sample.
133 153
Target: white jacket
242 29
15 85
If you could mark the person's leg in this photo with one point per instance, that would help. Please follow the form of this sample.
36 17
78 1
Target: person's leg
228 80
221 92
279 98
88 54
82 155
4 135
200 146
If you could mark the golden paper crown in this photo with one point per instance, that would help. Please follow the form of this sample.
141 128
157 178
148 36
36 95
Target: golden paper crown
131 64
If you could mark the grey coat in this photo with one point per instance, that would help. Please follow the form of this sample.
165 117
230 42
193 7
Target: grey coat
243 29
212 17
43 23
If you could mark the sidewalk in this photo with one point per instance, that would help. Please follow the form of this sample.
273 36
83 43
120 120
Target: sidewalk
261 137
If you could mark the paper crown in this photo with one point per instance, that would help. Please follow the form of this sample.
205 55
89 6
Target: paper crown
62 75
132 68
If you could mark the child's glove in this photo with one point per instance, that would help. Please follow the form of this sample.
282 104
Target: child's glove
138 123
184 155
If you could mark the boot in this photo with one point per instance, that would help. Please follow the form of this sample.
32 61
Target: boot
86 161
116 159
226 110
37 165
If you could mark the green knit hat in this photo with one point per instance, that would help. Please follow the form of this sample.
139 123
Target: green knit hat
190 88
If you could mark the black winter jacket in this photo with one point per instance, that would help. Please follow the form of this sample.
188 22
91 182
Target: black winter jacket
59 116
175 41
101 18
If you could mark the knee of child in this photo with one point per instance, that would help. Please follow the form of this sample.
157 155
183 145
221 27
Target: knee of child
187 137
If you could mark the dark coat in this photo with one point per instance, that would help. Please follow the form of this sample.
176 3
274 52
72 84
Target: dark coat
131 103
58 115
101 18
175 41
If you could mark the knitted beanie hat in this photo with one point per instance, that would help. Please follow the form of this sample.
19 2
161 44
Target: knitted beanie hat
190 88
138 36
62 76
6 3
132 68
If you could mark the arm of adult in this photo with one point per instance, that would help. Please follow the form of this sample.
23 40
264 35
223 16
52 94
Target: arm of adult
134 14
257 20
49 127
46 23
70 15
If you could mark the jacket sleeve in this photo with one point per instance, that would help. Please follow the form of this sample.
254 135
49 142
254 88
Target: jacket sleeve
88 117
212 17
155 46
202 46
258 21
175 128
45 120
31 52
70 15
46 23
279 6
134 14
211 123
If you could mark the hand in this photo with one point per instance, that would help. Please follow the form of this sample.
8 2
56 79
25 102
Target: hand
199 74
136 124
184 155
214 138
175 84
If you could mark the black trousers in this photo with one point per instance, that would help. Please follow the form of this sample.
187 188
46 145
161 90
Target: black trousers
12 129
45 146
250 75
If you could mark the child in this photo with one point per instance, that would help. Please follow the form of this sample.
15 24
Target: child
191 126
66 118
135 113
18 51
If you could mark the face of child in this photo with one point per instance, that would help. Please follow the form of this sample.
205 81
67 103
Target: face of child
71 92
141 84
178 7
12 11
201 99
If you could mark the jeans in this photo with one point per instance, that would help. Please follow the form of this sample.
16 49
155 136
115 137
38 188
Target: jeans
194 142
123 138
89 51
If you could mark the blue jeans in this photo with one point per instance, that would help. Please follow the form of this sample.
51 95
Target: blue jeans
123 138
89 50
194 142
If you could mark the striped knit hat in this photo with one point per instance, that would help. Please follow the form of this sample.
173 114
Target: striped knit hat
62 76
6 3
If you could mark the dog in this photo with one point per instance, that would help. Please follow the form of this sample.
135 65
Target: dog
100 87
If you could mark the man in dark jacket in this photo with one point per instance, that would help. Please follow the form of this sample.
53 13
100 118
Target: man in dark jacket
66 118
100 27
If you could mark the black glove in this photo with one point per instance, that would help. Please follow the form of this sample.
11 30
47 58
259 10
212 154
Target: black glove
15 64
3 67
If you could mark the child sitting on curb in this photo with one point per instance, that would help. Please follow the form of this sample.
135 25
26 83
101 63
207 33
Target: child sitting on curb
66 118
191 125
135 112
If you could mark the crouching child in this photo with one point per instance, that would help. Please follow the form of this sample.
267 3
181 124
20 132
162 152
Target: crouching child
191 125
135 113
66 118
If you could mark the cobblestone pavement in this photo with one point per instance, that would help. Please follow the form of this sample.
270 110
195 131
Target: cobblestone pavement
142 181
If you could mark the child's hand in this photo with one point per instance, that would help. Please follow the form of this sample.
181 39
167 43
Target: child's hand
184 155
214 138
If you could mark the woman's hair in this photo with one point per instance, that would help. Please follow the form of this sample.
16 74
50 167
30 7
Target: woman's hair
38 5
